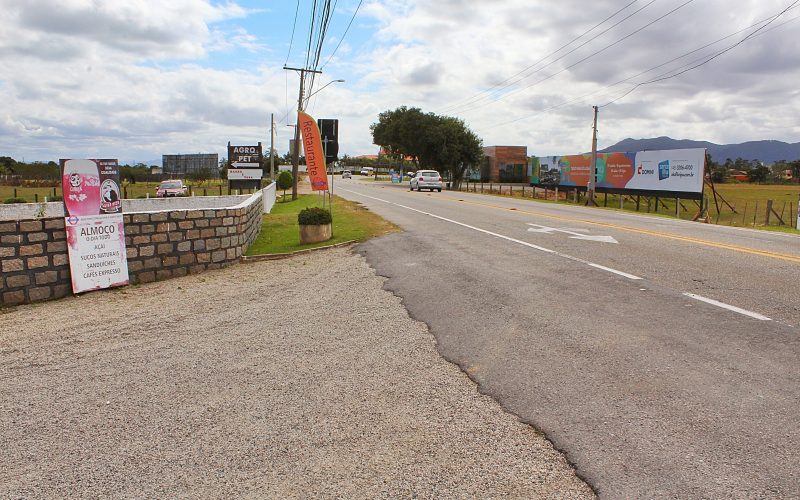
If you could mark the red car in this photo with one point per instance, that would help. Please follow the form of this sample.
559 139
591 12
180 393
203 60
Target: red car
171 188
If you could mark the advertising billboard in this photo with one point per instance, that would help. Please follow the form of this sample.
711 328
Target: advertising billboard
245 162
94 225
674 170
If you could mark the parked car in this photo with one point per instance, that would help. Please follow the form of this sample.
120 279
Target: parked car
426 179
346 174
367 171
171 188
410 174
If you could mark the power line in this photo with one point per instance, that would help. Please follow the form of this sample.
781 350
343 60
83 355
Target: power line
344 35
667 76
759 32
500 86
654 21
294 25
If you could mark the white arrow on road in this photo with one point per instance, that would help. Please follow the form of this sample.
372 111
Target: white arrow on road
538 228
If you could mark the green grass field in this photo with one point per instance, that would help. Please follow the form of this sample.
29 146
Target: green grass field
280 232
748 204
138 190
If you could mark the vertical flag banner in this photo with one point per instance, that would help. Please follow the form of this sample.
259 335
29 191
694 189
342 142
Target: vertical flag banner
315 154
93 221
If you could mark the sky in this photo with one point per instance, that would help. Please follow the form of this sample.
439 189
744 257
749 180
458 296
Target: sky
135 79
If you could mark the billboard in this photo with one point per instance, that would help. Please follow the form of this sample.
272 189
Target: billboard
94 226
674 170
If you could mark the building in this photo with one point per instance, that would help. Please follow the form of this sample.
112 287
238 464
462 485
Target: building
193 164
505 164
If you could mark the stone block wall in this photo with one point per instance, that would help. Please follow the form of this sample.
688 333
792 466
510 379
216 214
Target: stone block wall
34 264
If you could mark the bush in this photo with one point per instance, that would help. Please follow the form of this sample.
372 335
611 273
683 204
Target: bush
55 198
9 201
314 216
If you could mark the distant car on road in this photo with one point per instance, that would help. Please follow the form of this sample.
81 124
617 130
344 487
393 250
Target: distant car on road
367 171
171 188
426 179
347 174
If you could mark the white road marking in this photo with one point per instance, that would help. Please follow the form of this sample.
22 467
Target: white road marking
504 237
575 236
727 306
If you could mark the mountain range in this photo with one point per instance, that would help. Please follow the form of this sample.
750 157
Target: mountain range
765 151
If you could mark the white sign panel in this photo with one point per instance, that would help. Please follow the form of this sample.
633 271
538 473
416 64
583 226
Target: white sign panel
679 170
96 245
244 173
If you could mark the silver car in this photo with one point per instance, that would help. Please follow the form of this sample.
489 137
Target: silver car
426 179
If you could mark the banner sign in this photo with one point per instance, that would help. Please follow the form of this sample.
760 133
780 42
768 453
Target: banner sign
315 154
94 226
97 257
674 170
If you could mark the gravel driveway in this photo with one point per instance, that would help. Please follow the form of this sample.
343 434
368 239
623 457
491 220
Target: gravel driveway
292 378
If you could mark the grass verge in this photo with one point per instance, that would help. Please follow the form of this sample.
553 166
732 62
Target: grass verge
280 232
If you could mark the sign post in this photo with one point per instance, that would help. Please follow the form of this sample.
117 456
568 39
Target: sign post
245 166
94 225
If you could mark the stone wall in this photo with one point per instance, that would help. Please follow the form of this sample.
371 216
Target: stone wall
160 245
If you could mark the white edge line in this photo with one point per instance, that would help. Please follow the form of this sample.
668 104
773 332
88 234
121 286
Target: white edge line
727 306
507 238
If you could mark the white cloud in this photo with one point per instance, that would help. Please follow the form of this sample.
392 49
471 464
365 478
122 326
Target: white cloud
136 78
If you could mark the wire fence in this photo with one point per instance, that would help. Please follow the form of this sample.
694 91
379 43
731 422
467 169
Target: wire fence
780 211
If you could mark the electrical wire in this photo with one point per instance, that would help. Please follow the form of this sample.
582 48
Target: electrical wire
667 75
294 25
344 35
759 32
654 21
500 86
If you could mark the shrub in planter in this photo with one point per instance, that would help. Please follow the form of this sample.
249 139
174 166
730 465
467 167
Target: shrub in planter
9 201
315 225
314 216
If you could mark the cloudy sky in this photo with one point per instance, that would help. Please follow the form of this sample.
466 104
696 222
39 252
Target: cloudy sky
135 79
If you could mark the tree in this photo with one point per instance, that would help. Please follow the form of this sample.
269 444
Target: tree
432 141
284 181
759 174
795 168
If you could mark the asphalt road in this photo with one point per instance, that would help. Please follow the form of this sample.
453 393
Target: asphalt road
665 364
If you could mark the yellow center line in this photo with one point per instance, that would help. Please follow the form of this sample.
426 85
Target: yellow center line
687 239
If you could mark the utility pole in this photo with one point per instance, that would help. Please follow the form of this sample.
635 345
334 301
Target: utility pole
296 159
272 146
593 173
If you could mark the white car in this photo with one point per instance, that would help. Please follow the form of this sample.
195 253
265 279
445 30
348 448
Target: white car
426 179
346 174
366 171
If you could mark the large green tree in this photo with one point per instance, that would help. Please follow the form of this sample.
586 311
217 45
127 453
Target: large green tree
432 141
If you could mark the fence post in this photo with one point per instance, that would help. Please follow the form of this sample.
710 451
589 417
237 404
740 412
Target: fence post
769 209
638 199
36 197
755 214
621 202
678 208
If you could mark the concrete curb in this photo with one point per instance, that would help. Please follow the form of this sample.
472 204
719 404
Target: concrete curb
278 256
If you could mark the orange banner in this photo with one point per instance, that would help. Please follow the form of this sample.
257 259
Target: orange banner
315 154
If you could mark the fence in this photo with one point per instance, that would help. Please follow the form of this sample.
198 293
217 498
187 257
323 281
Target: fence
161 243
776 212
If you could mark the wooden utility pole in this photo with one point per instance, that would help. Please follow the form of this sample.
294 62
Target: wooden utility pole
593 173
296 159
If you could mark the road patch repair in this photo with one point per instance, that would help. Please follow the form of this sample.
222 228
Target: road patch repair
291 378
